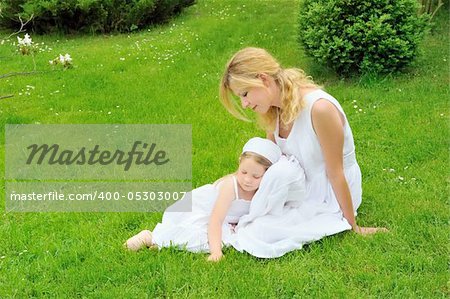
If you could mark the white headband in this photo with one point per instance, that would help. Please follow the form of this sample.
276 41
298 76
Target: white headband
263 147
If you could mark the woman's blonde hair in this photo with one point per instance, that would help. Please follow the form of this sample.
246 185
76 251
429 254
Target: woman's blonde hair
242 72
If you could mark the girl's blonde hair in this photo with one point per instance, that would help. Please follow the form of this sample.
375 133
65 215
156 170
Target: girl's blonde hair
242 72
257 158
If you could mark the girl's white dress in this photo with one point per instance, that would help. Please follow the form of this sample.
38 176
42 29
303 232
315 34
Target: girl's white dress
189 230
281 220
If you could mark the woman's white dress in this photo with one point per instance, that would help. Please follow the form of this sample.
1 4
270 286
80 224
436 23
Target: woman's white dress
303 143
189 230
271 232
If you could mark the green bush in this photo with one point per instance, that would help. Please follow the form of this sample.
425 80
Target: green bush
88 15
365 36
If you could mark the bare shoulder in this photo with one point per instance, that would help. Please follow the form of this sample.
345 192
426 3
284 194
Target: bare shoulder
323 111
222 178
226 185
323 107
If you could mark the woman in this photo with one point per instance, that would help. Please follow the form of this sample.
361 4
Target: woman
305 122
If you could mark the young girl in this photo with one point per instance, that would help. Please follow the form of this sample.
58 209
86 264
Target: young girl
216 208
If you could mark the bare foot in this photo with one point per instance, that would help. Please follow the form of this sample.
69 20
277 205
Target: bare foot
142 239
215 257
370 230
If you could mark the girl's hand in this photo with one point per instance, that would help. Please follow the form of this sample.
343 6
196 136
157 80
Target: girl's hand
369 230
215 257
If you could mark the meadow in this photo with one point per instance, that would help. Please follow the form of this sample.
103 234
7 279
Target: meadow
169 74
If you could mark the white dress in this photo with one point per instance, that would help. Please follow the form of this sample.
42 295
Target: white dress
189 230
304 145
295 203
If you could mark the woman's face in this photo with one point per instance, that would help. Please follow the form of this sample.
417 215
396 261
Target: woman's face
259 99
255 98
249 174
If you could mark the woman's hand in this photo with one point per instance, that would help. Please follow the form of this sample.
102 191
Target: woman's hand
365 231
215 256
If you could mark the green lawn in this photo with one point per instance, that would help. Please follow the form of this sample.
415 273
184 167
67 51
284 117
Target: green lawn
170 74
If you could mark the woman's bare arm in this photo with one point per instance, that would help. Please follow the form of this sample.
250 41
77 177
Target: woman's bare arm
328 124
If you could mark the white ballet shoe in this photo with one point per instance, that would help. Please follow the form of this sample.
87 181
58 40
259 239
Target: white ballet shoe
142 239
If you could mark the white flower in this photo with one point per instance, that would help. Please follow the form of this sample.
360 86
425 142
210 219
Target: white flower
51 61
27 40
68 58
61 58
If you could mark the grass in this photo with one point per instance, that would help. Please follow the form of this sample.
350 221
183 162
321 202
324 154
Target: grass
170 74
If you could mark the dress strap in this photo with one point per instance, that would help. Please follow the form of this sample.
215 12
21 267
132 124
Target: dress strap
235 187
277 125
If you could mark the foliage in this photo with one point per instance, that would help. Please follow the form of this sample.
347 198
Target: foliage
89 15
430 7
361 36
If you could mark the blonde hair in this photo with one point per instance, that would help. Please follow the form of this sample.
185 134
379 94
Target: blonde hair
242 72
257 158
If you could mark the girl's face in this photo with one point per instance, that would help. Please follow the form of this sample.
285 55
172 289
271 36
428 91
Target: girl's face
249 174
259 99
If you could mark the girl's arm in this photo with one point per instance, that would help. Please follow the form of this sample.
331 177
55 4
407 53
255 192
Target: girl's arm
223 202
328 125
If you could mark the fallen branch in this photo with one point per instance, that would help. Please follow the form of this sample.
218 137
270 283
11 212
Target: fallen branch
19 74
7 96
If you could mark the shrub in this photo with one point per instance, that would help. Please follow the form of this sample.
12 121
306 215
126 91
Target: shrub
89 15
365 36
